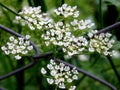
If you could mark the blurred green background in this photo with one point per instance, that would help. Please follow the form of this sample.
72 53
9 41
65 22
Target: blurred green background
102 12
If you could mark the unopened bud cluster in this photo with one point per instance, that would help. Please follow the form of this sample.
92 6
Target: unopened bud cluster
101 43
17 46
60 75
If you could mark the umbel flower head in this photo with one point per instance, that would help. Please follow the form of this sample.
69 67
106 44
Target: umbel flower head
34 18
17 46
101 43
68 32
60 75
67 11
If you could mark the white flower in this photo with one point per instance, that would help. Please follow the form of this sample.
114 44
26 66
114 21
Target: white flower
69 80
15 41
11 38
72 88
22 47
67 68
53 72
52 62
57 67
66 11
57 80
21 39
10 47
3 48
47 43
58 76
90 35
76 14
13 51
17 47
27 36
24 52
18 57
49 66
91 49
108 35
74 71
7 52
75 77
18 50
26 43
50 81
62 85
101 43
30 47
43 71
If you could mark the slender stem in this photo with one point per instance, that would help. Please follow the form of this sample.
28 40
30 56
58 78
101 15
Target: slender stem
88 74
63 1
20 75
100 12
29 2
81 79
40 3
8 9
11 10
113 67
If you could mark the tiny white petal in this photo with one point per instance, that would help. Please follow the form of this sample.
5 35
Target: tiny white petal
53 72
69 80
18 57
72 88
3 48
50 81
11 38
43 71
62 85
75 77
27 36
30 47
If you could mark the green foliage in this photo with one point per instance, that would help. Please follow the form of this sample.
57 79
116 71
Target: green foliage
32 78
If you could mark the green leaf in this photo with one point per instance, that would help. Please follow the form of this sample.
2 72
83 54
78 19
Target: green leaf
116 45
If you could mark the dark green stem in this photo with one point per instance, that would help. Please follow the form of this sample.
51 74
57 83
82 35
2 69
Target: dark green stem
9 9
30 2
100 14
20 76
59 2
114 68
81 79
63 1
40 3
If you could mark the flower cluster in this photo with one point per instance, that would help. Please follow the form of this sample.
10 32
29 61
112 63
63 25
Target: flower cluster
61 75
34 18
67 11
70 35
17 47
81 25
62 36
101 43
